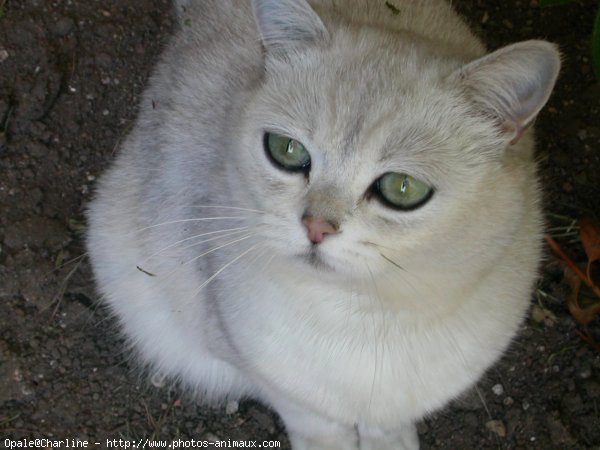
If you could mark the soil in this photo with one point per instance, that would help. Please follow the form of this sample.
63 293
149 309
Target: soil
70 75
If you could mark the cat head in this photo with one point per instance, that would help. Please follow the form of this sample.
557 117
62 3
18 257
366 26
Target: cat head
374 151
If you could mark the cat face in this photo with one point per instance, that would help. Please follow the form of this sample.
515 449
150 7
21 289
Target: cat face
379 157
370 153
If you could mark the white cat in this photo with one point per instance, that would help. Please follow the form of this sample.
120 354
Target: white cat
332 208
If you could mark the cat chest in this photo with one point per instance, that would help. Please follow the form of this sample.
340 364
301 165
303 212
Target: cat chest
322 352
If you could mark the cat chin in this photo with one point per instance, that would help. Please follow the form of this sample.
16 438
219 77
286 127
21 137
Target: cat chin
314 259
318 262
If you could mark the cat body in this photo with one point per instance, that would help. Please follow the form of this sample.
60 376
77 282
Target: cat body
302 285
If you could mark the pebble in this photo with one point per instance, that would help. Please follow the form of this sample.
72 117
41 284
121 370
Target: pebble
498 389
497 427
3 55
210 437
586 373
63 26
158 380
232 407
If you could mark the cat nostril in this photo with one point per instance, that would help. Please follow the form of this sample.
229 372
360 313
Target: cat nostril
318 227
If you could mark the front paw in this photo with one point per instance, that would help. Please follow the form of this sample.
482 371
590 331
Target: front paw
402 438
346 441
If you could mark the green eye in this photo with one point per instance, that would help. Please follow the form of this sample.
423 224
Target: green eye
402 191
287 153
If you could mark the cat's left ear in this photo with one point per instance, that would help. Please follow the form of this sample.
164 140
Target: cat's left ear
287 25
513 84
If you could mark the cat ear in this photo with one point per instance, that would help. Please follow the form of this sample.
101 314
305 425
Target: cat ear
286 25
513 83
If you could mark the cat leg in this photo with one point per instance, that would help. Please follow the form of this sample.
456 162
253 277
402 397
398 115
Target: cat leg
402 438
309 431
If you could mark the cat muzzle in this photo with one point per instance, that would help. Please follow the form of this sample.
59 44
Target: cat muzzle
318 228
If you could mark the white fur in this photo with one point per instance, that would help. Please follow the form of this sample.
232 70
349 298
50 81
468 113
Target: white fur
404 310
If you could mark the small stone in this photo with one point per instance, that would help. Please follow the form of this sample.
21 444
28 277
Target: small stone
497 427
158 380
508 24
537 314
498 389
232 407
210 437
63 26
3 55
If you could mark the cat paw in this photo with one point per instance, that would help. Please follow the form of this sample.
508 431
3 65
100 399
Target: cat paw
348 441
402 438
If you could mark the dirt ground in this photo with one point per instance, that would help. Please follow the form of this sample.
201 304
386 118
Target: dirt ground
70 76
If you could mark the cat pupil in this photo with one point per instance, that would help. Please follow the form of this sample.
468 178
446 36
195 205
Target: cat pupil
404 185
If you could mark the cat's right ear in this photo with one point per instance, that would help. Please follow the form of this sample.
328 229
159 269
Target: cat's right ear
287 25
513 84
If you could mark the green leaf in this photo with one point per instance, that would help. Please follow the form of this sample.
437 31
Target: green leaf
596 45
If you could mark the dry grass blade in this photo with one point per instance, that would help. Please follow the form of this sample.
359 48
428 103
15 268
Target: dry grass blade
574 267
582 314
589 232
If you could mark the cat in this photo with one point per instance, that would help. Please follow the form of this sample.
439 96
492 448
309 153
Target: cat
330 207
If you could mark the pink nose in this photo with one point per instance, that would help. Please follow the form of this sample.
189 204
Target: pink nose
317 228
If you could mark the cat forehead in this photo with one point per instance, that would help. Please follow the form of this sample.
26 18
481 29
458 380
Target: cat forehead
351 88
389 104
347 115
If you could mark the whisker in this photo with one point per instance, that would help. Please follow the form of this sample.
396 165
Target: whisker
212 250
227 207
214 239
378 246
71 261
216 274
233 230
257 256
59 265
404 272
199 219
378 338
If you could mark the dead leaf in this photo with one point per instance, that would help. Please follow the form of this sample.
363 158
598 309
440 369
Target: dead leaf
589 230
581 314
574 267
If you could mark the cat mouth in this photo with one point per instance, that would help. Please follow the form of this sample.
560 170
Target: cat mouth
315 259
